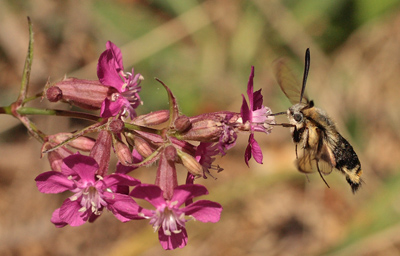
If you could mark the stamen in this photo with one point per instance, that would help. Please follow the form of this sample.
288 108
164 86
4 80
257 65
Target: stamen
115 96
172 204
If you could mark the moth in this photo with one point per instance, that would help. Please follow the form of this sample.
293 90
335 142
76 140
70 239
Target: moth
322 148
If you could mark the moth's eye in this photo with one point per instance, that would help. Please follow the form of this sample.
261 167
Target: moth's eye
298 117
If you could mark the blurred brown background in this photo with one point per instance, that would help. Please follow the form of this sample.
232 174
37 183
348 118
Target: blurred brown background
204 50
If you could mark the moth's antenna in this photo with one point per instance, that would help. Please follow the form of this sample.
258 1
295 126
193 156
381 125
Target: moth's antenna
305 75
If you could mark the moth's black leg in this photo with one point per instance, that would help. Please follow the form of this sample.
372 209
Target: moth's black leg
320 174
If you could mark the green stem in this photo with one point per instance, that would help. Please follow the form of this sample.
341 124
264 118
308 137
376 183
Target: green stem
141 128
38 95
56 112
6 110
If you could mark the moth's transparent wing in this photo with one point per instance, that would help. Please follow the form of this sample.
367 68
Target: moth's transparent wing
305 163
326 159
290 86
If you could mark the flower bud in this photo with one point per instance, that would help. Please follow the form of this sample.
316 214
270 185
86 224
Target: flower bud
142 146
153 118
123 153
116 126
56 157
191 164
170 153
54 94
202 130
182 123
87 94
81 143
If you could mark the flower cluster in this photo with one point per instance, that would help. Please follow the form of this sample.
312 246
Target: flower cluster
81 165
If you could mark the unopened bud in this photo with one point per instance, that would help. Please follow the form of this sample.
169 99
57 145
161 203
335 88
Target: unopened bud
202 130
170 153
142 147
153 118
182 123
116 126
191 164
123 153
54 94
56 157
87 94
81 143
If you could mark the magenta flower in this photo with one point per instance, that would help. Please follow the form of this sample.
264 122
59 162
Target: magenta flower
92 192
258 117
168 218
110 73
228 138
205 155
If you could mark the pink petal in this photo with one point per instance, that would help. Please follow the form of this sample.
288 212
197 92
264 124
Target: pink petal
257 100
117 55
245 111
84 166
112 108
107 72
69 213
174 240
204 211
93 217
123 207
151 193
247 154
53 182
124 169
255 149
120 179
250 87
186 192
55 219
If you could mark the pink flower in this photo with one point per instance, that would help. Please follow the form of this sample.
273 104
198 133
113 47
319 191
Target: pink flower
168 218
205 155
258 118
110 73
91 192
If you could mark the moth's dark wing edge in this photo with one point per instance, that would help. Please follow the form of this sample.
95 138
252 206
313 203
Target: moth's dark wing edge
287 81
